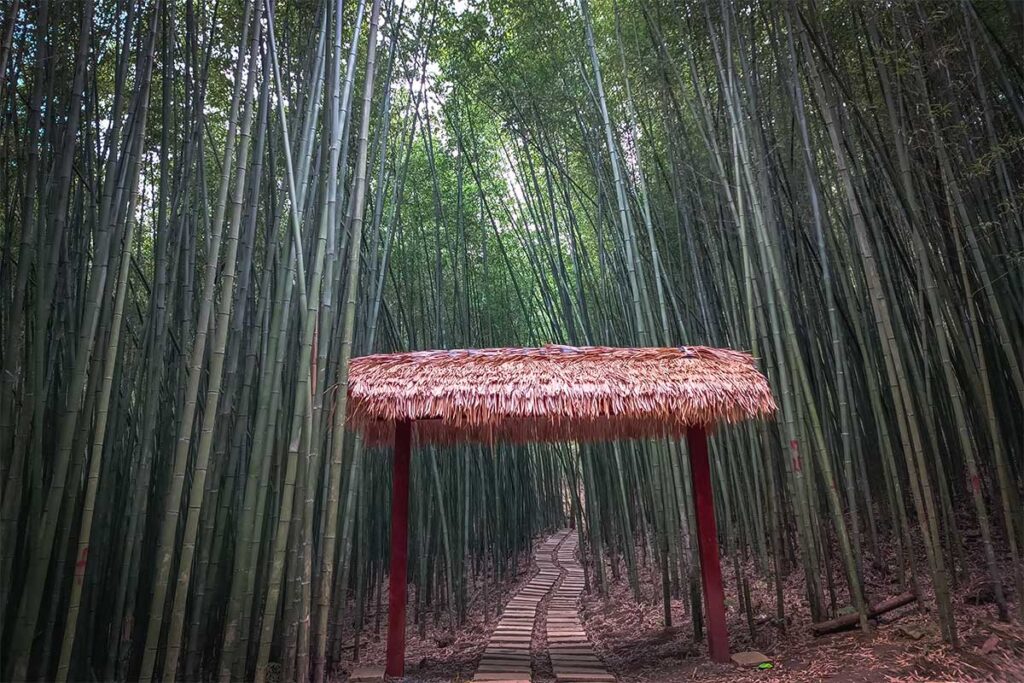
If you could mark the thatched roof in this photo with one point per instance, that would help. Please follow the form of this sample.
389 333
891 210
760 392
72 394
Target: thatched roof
553 393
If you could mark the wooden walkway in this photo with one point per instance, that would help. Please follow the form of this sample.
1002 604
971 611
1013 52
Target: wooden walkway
507 656
572 655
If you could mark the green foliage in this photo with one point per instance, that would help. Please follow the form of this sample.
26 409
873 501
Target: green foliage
835 186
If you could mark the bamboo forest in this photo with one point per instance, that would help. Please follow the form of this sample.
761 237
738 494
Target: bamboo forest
511 340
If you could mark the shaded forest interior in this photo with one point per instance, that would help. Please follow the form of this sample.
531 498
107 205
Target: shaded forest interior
210 206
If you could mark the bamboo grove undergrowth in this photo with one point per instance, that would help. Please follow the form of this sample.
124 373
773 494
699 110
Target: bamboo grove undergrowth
209 207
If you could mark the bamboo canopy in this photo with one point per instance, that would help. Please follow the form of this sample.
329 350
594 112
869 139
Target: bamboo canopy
553 393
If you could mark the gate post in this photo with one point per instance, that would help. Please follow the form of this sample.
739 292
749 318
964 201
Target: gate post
707 543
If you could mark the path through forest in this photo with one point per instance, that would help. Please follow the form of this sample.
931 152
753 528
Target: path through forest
509 655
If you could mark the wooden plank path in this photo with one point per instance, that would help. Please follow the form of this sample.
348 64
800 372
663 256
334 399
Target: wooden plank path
507 657
572 655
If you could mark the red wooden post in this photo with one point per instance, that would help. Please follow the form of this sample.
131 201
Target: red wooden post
399 550
707 544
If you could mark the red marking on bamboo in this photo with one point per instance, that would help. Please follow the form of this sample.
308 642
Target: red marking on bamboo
793 446
707 544
80 565
399 550
975 483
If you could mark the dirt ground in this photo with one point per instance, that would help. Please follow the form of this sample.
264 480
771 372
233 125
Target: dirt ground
439 654
904 645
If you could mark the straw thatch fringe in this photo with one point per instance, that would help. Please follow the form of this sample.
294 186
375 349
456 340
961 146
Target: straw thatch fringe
553 393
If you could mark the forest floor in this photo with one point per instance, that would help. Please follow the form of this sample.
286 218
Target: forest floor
904 645
435 652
